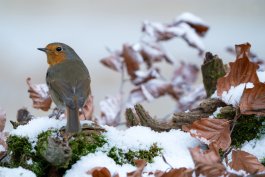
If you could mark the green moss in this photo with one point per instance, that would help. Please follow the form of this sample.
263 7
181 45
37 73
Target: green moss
83 144
42 141
21 150
121 157
247 128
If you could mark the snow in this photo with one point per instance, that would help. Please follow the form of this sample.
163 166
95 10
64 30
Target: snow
98 159
261 76
255 147
190 18
38 125
175 145
2 148
233 95
216 112
15 172
42 89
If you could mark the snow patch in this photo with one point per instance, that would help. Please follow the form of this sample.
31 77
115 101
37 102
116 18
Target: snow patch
233 95
255 147
15 172
175 145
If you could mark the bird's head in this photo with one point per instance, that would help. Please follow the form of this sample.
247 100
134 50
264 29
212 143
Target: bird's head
58 52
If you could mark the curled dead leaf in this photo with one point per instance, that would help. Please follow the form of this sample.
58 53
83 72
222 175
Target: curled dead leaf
150 90
40 95
153 52
175 172
142 77
241 71
132 59
140 164
99 172
213 130
114 61
207 163
253 100
195 22
242 160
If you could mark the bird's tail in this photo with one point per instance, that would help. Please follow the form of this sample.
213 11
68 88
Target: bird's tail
73 123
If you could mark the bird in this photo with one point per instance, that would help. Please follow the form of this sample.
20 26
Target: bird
68 80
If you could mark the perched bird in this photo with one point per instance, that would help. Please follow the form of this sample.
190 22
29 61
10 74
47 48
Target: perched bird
68 80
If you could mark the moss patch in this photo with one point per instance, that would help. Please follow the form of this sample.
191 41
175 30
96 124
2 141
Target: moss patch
83 144
247 128
121 157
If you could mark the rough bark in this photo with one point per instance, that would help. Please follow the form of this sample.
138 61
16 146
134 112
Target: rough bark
212 69
205 109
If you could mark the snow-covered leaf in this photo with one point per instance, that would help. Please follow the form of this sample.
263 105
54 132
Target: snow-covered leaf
153 52
144 76
242 160
191 98
150 90
212 130
241 71
185 74
132 59
39 94
110 109
114 61
194 21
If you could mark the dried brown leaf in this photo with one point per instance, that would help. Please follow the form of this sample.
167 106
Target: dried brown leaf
150 90
207 163
163 32
195 22
153 52
241 71
140 164
39 95
132 59
142 77
175 172
2 119
114 61
99 172
242 50
213 130
185 75
242 160
253 100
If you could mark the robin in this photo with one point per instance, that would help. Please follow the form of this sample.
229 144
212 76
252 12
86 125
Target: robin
68 80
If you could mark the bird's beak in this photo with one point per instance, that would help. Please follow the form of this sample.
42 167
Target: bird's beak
43 49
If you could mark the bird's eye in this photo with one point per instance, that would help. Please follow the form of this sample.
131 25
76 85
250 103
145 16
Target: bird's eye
59 49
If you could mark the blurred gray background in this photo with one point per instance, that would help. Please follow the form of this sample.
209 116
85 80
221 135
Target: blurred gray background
89 26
